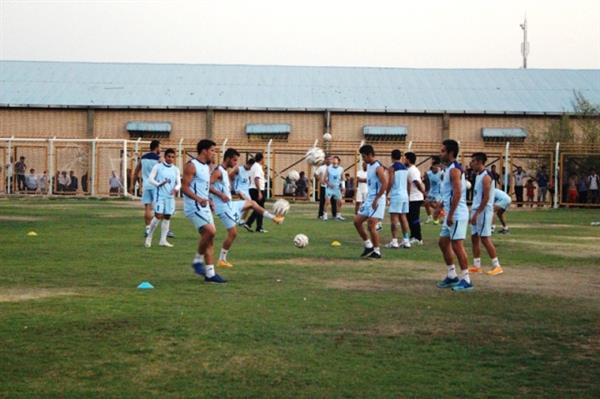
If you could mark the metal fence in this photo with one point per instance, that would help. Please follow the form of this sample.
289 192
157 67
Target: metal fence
104 167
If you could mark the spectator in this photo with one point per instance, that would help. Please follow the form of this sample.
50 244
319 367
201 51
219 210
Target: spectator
63 181
84 182
530 187
582 190
361 188
495 176
302 186
520 176
349 181
20 168
257 192
114 183
321 173
289 188
43 183
572 189
542 181
415 198
593 182
73 185
31 181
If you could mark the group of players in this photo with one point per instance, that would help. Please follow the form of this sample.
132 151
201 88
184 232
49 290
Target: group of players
446 196
206 190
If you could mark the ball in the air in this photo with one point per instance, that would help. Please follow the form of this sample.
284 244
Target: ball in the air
281 207
293 175
300 241
315 156
327 137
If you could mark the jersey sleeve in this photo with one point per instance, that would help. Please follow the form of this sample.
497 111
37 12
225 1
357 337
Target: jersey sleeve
152 176
177 179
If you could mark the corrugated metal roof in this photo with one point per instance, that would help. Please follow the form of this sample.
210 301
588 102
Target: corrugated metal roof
268 128
148 126
489 133
385 130
253 87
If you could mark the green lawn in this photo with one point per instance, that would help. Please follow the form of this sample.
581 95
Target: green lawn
314 322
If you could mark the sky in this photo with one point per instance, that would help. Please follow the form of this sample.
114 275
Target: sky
380 33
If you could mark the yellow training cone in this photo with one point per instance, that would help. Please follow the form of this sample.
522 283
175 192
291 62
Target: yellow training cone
336 244
32 234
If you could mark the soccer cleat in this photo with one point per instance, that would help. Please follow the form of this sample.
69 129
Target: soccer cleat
429 220
199 268
324 218
463 285
165 244
278 219
147 242
170 234
374 255
504 230
247 227
367 252
495 271
475 269
340 217
262 231
224 264
215 279
436 222
146 231
379 226
414 241
448 282
392 245
405 244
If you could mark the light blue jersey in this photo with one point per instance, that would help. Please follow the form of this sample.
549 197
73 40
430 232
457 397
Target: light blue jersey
501 199
166 178
368 208
478 193
230 211
462 211
149 160
435 184
373 182
199 215
223 186
241 184
334 181
399 188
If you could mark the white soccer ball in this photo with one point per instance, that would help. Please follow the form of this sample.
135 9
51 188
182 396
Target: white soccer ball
293 175
315 156
468 184
327 137
300 241
281 207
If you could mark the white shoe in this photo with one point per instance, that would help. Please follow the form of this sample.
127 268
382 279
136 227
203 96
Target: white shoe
429 220
393 245
405 244
147 243
340 217
165 244
414 241
325 217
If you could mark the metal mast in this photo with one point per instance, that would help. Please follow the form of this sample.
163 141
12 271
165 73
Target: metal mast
525 44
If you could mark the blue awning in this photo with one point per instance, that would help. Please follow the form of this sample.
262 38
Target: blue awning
503 133
149 127
399 130
270 128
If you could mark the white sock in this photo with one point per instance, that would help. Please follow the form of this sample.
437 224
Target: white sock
223 255
210 271
368 244
464 275
376 250
148 227
199 258
495 262
477 262
452 271
164 230
153 225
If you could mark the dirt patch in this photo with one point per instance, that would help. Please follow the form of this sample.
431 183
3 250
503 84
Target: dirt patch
11 218
27 294
541 225
564 249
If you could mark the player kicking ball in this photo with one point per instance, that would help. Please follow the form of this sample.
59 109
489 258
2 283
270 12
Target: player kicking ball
166 178
226 209
482 213
398 190
372 209
454 227
501 204
197 208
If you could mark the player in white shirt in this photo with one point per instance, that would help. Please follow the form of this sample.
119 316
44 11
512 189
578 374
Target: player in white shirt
416 197
321 175
361 186
257 192
228 210
166 178
334 189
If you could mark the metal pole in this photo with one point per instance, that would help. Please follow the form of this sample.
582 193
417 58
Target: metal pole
12 168
93 175
556 172
136 157
124 168
180 160
269 168
51 166
409 146
506 165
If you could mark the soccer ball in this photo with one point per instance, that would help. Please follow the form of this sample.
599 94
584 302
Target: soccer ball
300 241
293 175
315 156
327 137
281 207
468 184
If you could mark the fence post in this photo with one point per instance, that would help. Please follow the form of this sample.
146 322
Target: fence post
10 161
269 168
51 166
125 193
556 172
136 149
506 165
180 160
223 148
93 175
409 148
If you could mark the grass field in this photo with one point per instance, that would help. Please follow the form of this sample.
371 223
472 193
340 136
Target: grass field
309 323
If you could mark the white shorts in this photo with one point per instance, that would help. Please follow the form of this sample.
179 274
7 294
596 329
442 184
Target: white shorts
483 227
165 206
458 231
200 217
230 213
398 205
361 196
371 210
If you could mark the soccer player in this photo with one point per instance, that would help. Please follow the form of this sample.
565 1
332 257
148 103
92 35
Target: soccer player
373 209
433 182
454 228
166 178
148 161
241 184
196 207
361 187
501 204
416 197
334 190
482 213
226 209
397 189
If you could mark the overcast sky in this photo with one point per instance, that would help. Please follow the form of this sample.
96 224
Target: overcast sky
434 33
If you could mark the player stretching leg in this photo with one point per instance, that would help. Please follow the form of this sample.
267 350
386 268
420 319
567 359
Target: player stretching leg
501 204
373 209
482 212
433 181
240 175
334 190
196 206
166 178
454 227
398 191
226 209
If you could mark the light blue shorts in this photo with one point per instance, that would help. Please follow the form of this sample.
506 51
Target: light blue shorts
367 210
230 213
332 192
149 195
165 206
483 227
398 205
503 204
458 231
434 198
200 217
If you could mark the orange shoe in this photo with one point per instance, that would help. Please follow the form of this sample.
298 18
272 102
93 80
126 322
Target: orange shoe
278 219
495 271
474 269
224 264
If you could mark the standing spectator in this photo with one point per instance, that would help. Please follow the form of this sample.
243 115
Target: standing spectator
31 181
321 174
20 168
542 181
520 176
257 192
114 183
63 181
572 189
361 188
349 186
302 186
84 182
73 185
582 190
289 188
495 176
43 183
593 182
9 176
416 197
530 187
